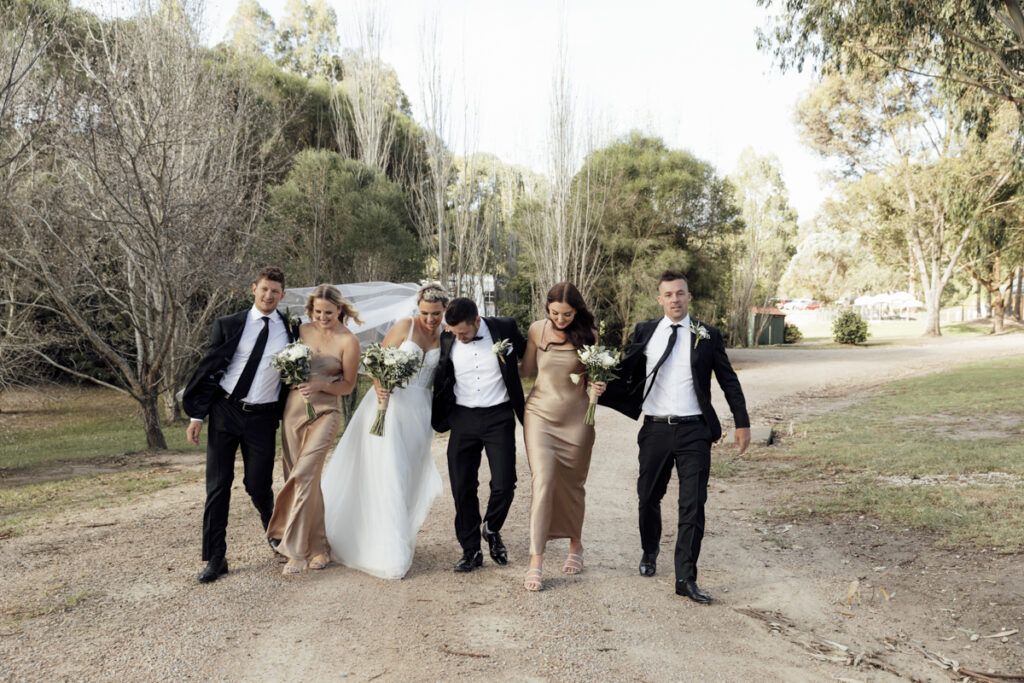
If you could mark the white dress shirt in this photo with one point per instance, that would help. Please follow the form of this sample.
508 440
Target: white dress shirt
478 380
673 392
266 385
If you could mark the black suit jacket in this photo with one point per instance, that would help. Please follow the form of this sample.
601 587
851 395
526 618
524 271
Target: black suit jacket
205 383
444 380
626 394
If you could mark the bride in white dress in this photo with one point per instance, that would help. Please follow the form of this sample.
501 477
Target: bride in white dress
378 490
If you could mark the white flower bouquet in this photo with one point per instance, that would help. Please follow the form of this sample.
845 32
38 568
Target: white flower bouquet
600 364
292 363
392 368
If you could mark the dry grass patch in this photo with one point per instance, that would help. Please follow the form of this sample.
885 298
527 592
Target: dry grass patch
942 452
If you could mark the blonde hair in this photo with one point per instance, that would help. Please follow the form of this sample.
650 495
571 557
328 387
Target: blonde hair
332 294
431 292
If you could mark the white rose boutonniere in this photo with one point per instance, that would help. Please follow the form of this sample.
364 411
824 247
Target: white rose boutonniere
291 320
501 349
699 332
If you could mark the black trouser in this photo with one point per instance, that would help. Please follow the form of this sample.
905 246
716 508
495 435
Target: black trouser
231 427
472 430
688 447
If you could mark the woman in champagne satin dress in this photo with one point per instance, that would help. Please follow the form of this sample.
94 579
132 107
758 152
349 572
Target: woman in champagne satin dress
298 520
558 443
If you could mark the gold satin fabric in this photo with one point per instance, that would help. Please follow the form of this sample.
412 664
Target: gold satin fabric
299 510
558 447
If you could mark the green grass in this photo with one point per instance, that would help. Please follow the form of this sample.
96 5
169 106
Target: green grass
52 424
914 454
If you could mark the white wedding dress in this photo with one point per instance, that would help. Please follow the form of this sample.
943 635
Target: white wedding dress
378 489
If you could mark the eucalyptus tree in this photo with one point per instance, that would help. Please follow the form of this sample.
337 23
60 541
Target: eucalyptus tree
252 29
898 127
975 48
306 41
766 245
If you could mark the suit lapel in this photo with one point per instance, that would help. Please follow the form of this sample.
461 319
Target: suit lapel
693 348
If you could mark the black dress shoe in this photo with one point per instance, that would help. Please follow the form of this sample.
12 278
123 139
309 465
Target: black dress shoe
471 559
690 589
648 564
274 542
215 568
498 552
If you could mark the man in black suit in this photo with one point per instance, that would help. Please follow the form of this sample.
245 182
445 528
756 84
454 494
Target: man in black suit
236 387
478 395
666 375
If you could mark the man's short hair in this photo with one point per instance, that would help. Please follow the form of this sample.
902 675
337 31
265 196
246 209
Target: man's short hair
672 275
270 273
461 310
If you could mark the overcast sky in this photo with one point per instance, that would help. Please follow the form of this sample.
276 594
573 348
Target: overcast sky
687 71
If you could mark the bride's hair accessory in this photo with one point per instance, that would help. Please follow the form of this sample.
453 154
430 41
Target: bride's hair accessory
431 292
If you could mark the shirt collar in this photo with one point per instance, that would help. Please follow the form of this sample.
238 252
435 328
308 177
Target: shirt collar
666 322
483 330
255 314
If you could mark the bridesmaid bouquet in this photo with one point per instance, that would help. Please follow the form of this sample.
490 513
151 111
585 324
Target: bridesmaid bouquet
292 363
392 368
600 364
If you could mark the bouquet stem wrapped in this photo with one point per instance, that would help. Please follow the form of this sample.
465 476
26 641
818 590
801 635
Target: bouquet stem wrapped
392 368
600 364
377 427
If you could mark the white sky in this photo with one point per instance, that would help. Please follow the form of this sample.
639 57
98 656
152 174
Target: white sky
687 71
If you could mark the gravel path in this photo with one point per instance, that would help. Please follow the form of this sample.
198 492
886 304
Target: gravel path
138 613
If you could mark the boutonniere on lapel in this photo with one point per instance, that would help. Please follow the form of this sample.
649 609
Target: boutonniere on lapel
290 319
699 332
501 349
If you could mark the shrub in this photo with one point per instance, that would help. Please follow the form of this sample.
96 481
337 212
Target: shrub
791 334
850 328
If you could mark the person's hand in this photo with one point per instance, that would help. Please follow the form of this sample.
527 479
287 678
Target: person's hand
382 393
742 438
598 388
307 389
193 431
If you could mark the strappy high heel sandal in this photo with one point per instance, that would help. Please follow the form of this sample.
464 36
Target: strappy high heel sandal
320 561
294 567
573 564
533 582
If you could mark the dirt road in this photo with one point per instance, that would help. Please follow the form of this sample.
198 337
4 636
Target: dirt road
129 573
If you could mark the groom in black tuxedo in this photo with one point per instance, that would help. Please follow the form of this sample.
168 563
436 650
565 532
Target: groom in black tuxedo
242 395
666 375
478 395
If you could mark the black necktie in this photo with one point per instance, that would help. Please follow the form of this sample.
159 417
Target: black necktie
664 356
251 365
476 339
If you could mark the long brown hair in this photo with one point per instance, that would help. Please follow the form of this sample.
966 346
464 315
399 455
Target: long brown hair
332 294
580 332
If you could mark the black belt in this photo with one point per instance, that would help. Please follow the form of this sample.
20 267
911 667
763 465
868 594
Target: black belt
672 419
251 407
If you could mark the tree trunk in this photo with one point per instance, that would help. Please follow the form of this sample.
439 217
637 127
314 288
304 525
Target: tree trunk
977 298
151 422
1020 293
932 327
998 312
